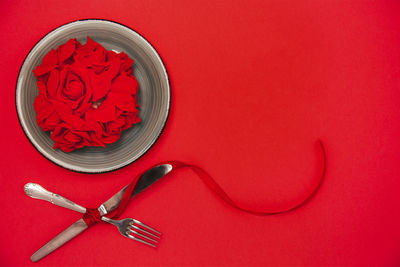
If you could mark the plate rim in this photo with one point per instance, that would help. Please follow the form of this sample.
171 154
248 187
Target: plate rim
82 169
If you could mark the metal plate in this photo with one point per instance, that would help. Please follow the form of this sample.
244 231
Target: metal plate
153 97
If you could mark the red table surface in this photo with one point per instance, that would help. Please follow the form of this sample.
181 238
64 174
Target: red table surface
254 85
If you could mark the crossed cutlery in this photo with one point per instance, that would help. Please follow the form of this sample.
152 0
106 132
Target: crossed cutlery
126 227
129 227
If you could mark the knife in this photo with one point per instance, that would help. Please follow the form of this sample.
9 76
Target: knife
147 179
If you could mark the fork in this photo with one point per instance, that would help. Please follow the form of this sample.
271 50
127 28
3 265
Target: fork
129 227
126 227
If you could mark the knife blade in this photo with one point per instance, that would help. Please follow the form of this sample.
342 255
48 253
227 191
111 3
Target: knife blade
147 179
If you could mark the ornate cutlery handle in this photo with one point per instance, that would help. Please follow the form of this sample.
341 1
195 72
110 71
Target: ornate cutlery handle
36 191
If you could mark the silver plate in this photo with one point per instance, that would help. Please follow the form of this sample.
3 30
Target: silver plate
153 97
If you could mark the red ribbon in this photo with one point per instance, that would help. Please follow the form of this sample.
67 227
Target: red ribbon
92 216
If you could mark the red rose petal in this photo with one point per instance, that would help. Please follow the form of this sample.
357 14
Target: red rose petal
113 69
72 138
57 135
49 62
105 112
125 84
99 68
67 50
50 58
128 123
123 101
61 107
91 53
52 83
63 147
117 124
98 55
127 62
42 88
50 122
41 70
90 44
73 120
66 115
46 116
68 139
92 124
86 48
135 119
80 70
96 141
42 107
111 139
111 54
101 85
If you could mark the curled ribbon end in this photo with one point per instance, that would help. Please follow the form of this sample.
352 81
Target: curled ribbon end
91 217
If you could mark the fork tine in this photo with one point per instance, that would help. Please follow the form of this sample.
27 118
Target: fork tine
144 231
142 235
146 226
140 240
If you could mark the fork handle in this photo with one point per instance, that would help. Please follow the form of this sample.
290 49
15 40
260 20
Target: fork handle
36 191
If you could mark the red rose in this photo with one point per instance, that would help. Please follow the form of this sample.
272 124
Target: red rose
68 138
87 95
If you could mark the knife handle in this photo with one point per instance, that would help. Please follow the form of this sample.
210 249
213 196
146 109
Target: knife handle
69 233
36 191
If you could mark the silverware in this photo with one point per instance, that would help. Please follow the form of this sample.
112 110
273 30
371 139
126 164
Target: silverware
126 227
129 226
147 179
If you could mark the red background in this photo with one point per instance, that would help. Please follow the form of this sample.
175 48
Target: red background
254 85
